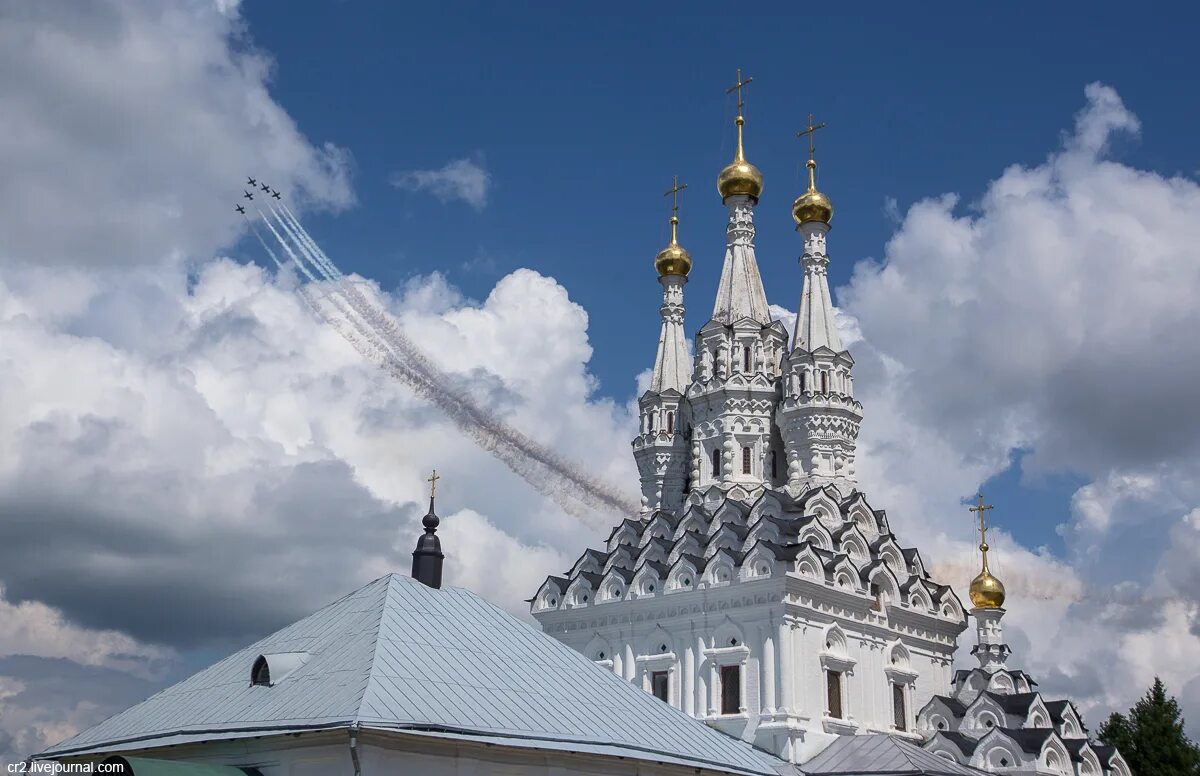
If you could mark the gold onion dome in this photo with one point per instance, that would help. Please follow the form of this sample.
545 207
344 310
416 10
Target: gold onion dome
739 176
812 205
987 592
674 259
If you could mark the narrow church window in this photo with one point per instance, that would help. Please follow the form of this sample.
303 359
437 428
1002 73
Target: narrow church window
803 382
731 689
746 358
716 463
670 422
659 685
774 464
898 710
650 422
745 460
824 382
833 684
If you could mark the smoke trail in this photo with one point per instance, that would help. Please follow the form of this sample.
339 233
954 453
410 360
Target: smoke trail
600 494
374 335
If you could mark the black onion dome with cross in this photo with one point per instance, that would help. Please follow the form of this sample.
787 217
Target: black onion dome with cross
428 557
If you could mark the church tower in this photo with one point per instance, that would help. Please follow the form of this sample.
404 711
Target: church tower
761 594
987 597
819 417
660 448
994 718
738 352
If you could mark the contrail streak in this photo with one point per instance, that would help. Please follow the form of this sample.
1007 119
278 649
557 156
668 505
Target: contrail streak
382 324
373 333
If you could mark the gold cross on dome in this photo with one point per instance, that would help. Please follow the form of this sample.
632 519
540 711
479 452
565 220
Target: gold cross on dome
738 86
982 510
811 132
674 193
433 478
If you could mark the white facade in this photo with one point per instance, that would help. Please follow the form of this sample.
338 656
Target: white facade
758 590
788 593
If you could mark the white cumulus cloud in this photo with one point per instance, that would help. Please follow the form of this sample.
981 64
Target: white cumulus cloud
1055 318
461 179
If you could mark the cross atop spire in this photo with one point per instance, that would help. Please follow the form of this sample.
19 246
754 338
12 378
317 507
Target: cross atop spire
741 119
427 557
811 132
738 87
982 510
673 192
812 149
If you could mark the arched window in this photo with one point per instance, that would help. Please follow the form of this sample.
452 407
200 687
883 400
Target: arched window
746 358
716 462
745 460
824 382
670 422
260 672
774 464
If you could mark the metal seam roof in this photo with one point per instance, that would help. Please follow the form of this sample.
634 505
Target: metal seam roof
880 754
396 655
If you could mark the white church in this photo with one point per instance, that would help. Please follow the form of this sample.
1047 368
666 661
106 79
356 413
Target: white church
757 618
759 590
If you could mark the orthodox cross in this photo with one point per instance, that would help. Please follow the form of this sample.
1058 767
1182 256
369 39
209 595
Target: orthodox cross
673 192
738 86
811 131
433 478
982 510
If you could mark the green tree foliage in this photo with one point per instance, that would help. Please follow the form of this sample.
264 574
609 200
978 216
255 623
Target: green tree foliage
1151 737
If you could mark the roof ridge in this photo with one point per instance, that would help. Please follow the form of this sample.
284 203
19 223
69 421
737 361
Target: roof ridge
380 610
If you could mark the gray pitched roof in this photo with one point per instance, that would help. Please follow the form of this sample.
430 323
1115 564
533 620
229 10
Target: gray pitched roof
396 655
1030 739
881 754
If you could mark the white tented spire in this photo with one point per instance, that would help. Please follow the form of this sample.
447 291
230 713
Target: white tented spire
672 363
815 325
740 293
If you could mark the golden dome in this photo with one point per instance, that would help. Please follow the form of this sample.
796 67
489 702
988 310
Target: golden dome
740 177
812 205
987 592
674 259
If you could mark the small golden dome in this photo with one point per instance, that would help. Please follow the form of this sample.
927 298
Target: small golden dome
740 177
673 260
812 205
987 592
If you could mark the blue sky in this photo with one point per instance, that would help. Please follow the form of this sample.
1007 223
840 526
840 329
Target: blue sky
582 116
196 441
